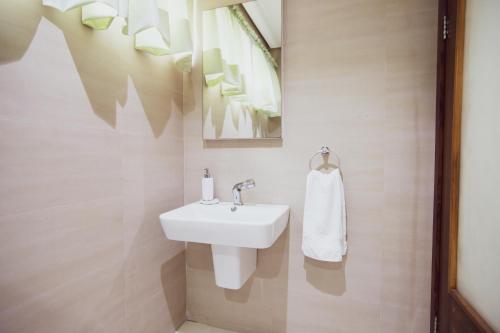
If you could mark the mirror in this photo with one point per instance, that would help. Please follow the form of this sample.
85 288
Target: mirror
242 90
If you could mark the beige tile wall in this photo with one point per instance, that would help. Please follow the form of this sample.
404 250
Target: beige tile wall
90 153
360 77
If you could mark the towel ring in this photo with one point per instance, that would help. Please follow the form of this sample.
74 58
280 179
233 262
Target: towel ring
324 151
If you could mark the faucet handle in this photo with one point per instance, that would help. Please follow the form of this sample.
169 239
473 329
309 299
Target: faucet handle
245 185
249 183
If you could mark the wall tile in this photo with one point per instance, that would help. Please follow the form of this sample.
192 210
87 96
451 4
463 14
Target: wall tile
91 146
360 77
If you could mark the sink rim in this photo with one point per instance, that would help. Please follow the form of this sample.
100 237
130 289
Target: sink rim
175 213
249 232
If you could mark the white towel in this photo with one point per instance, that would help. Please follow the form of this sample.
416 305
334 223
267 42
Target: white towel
324 235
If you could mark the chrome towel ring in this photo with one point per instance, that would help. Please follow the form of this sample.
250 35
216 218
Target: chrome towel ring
324 151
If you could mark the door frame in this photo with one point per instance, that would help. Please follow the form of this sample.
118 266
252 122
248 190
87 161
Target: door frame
450 311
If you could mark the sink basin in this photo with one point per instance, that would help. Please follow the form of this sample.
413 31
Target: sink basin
254 226
235 235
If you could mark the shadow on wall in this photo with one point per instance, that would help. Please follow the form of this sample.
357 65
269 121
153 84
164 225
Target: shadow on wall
103 66
173 280
154 274
265 294
269 266
328 277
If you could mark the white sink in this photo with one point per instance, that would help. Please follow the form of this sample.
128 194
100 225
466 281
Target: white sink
255 226
235 236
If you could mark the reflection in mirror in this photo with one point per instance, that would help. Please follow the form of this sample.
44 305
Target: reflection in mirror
242 93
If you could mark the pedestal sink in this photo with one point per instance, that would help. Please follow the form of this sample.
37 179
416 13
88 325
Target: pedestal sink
235 235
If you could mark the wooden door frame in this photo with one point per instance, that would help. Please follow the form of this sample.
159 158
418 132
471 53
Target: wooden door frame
449 309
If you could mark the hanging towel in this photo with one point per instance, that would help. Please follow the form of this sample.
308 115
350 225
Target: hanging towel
324 235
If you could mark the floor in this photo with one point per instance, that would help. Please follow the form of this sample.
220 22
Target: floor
192 327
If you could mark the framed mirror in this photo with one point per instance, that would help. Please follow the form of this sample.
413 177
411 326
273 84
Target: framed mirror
242 90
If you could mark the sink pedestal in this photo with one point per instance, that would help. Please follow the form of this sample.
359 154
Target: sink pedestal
233 265
235 235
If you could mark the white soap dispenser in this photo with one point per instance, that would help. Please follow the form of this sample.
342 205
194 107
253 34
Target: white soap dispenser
207 187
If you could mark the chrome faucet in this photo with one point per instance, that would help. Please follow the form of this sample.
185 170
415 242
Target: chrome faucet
246 185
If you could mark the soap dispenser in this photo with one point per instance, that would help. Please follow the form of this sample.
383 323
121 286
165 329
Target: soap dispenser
207 186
